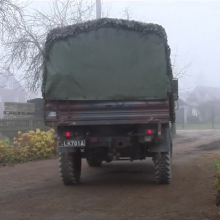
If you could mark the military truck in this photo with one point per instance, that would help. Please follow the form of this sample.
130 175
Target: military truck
109 92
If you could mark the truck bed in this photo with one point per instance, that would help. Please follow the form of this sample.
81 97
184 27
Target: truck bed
74 113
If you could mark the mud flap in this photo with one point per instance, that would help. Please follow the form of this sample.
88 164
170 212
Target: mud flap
165 145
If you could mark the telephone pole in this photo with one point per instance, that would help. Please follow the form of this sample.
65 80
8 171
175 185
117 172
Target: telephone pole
98 9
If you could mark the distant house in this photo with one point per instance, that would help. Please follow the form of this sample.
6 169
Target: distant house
204 101
203 94
10 91
183 110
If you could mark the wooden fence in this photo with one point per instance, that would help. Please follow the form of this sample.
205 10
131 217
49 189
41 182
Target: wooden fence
10 127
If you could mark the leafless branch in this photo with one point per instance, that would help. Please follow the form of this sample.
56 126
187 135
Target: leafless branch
127 13
175 57
180 72
10 11
23 51
106 9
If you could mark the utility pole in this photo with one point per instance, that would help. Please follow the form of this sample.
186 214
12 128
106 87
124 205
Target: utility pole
98 9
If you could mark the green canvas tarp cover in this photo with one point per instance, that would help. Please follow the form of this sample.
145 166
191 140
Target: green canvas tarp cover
107 64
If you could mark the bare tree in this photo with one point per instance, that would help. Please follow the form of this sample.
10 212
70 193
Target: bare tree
180 72
127 13
106 8
23 51
10 10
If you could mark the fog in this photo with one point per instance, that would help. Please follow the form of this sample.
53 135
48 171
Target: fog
193 29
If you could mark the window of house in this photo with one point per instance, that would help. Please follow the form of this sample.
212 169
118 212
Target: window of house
9 85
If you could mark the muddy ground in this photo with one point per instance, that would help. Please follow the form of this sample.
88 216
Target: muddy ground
117 191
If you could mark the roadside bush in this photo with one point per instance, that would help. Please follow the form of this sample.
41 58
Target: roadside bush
217 183
33 145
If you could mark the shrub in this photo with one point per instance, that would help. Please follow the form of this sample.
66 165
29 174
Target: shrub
217 183
217 180
29 146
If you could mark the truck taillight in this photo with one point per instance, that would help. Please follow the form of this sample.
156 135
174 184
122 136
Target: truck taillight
149 131
68 134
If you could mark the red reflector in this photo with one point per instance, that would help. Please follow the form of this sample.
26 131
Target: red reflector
149 131
68 134
93 139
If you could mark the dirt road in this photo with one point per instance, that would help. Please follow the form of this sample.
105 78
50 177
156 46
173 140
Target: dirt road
117 191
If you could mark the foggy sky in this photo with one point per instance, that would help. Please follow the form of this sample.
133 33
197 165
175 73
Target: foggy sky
193 29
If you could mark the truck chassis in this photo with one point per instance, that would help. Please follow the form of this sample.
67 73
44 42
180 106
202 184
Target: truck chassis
111 131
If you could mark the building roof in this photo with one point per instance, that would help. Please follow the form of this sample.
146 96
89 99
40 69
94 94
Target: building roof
182 103
5 77
2 80
203 94
212 92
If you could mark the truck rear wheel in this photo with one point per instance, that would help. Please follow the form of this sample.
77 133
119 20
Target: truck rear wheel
163 168
163 161
70 167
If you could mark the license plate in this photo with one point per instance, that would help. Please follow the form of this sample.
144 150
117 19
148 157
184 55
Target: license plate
75 143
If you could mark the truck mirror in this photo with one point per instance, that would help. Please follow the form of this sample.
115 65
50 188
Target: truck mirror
175 89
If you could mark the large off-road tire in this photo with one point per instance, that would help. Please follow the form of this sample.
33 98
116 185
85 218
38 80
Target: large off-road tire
94 163
70 167
163 161
163 173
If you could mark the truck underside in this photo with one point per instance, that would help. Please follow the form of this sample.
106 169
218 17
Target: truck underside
106 131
